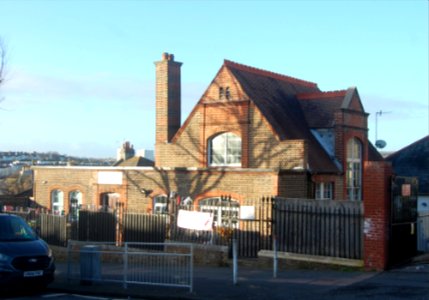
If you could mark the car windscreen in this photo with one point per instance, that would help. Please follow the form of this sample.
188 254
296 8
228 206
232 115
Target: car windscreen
15 229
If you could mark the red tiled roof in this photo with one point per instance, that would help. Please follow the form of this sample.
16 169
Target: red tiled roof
275 97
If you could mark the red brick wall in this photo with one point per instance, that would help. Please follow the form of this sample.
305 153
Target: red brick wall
261 148
198 184
68 179
168 93
376 195
294 184
349 124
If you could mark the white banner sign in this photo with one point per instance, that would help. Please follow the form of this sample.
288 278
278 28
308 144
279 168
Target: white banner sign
195 220
109 178
247 212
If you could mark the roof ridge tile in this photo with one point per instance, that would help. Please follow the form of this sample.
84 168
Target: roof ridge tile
274 75
318 95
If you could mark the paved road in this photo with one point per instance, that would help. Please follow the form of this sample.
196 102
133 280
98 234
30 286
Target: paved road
407 283
210 283
53 296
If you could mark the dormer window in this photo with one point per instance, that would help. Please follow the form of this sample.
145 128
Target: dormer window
225 150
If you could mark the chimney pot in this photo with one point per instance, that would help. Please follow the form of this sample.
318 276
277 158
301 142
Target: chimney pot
171 57
165 56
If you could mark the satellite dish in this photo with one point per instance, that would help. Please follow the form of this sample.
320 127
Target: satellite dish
380 144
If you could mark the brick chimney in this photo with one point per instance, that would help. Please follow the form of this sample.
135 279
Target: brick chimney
167 98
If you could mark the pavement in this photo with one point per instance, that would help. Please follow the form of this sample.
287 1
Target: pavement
410 281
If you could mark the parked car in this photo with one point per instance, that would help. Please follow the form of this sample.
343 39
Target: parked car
25 259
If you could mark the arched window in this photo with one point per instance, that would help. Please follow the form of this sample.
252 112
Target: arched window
160 204
225 150
225 211
354 169
75 202
108 201
57 202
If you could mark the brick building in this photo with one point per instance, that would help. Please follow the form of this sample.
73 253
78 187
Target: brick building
252 133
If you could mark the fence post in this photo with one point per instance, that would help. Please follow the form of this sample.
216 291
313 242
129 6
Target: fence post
126 265
275 257
234 261
69 249
191 271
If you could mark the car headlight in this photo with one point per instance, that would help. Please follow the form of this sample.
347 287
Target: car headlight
4 258
50 252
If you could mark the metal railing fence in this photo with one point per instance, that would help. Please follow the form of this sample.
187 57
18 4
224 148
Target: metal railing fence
423 232
161 264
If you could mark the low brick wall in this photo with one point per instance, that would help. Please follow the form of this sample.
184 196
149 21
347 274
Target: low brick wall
204 255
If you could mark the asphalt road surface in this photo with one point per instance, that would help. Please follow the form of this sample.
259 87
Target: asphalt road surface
53 296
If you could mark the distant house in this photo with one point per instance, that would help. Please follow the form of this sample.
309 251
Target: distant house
413 161
252 133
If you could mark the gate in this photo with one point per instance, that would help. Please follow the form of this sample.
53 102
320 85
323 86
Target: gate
165 264
403 228
329 228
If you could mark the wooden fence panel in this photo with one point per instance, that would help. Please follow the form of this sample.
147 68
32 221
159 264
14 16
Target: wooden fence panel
53 229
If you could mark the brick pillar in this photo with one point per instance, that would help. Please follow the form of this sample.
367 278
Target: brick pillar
376 199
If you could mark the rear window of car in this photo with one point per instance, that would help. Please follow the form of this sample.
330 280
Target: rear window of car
15 229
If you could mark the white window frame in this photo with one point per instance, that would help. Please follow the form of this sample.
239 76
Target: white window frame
57 202
74 210
324 191
225 154
354 170
220 210
160 204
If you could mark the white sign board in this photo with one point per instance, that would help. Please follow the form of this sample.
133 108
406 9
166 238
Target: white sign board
109 177
247 212
195 220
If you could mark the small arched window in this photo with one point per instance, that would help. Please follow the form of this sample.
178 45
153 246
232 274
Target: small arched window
109 200
75 202
221 93
225 150
354 169
227 93
57 202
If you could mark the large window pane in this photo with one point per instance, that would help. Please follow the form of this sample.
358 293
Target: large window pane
75 201
225 150
354 170
57 202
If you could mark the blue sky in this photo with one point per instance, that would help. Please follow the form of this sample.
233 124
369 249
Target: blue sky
81 74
